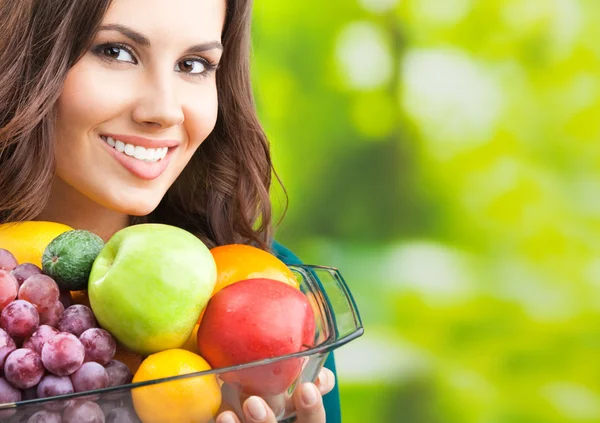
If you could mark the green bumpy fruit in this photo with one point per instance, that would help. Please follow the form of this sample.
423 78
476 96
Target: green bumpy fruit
69 257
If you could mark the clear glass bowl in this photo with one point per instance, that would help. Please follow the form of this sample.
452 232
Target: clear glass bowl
337 323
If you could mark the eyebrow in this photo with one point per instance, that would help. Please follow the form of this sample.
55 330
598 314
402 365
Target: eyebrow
145 42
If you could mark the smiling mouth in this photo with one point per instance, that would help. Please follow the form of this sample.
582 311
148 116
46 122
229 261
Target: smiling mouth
149 155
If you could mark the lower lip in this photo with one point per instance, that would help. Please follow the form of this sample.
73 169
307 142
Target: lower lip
141 169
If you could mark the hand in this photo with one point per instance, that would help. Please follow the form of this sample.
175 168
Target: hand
307 400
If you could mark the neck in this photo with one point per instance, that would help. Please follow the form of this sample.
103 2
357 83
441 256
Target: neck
68 206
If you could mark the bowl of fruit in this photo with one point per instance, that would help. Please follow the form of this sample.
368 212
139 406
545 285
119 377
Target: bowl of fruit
152 326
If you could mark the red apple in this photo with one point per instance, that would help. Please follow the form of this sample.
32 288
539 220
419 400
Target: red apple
252 320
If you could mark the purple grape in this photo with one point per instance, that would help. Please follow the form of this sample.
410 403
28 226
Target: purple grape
19 319
8 393
23 368
118 373
122 415
45 416
83 412
65 298
52 385
9 288
99 345
7 260
7 345
25 270
89 377
41 291
41 335
76 319
51 316
63 354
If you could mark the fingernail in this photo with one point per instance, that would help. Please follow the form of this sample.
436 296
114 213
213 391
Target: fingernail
322 379
256 409
309 394
226 418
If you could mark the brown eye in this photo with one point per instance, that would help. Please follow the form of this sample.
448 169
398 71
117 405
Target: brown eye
112 51
193 66
115 52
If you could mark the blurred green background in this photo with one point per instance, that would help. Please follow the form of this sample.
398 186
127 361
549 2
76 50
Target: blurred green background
444 155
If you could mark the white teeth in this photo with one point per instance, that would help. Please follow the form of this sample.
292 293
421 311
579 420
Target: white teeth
129 149
136 151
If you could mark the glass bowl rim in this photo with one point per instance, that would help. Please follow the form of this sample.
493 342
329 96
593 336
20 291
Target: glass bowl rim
325 347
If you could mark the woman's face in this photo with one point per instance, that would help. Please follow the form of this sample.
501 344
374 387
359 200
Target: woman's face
136 107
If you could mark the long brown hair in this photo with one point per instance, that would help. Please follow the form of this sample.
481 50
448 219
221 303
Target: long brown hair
223 193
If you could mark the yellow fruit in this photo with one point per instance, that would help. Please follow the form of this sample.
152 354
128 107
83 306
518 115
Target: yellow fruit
195 399
28 240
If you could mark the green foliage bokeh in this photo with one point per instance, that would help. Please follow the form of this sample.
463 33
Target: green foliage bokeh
444 155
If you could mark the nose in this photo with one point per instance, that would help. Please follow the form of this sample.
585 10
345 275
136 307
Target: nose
158 104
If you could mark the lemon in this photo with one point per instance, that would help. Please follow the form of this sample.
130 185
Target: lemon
28 240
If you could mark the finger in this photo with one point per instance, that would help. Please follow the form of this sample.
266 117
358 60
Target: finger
309 404
227 417
326 381
257 411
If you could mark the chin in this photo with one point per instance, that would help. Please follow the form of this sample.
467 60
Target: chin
140 209
135 206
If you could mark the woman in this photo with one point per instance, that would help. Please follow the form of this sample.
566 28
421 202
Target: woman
126 111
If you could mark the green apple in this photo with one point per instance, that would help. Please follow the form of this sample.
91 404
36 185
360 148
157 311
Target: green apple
149 284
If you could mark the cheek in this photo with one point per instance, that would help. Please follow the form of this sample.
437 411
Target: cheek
89 97
201 116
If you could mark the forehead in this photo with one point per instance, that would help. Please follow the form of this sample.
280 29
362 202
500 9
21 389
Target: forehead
185 20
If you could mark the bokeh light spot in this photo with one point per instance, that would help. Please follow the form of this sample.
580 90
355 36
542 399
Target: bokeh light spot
451 97
363 57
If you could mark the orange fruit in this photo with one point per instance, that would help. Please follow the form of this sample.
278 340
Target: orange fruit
192 344
195 399
28 240
236 262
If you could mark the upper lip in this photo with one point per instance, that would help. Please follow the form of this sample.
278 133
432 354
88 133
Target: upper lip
141 141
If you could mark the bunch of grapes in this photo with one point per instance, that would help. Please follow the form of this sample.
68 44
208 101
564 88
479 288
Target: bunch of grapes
49 347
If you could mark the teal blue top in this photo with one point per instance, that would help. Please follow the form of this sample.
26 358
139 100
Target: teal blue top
332 399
